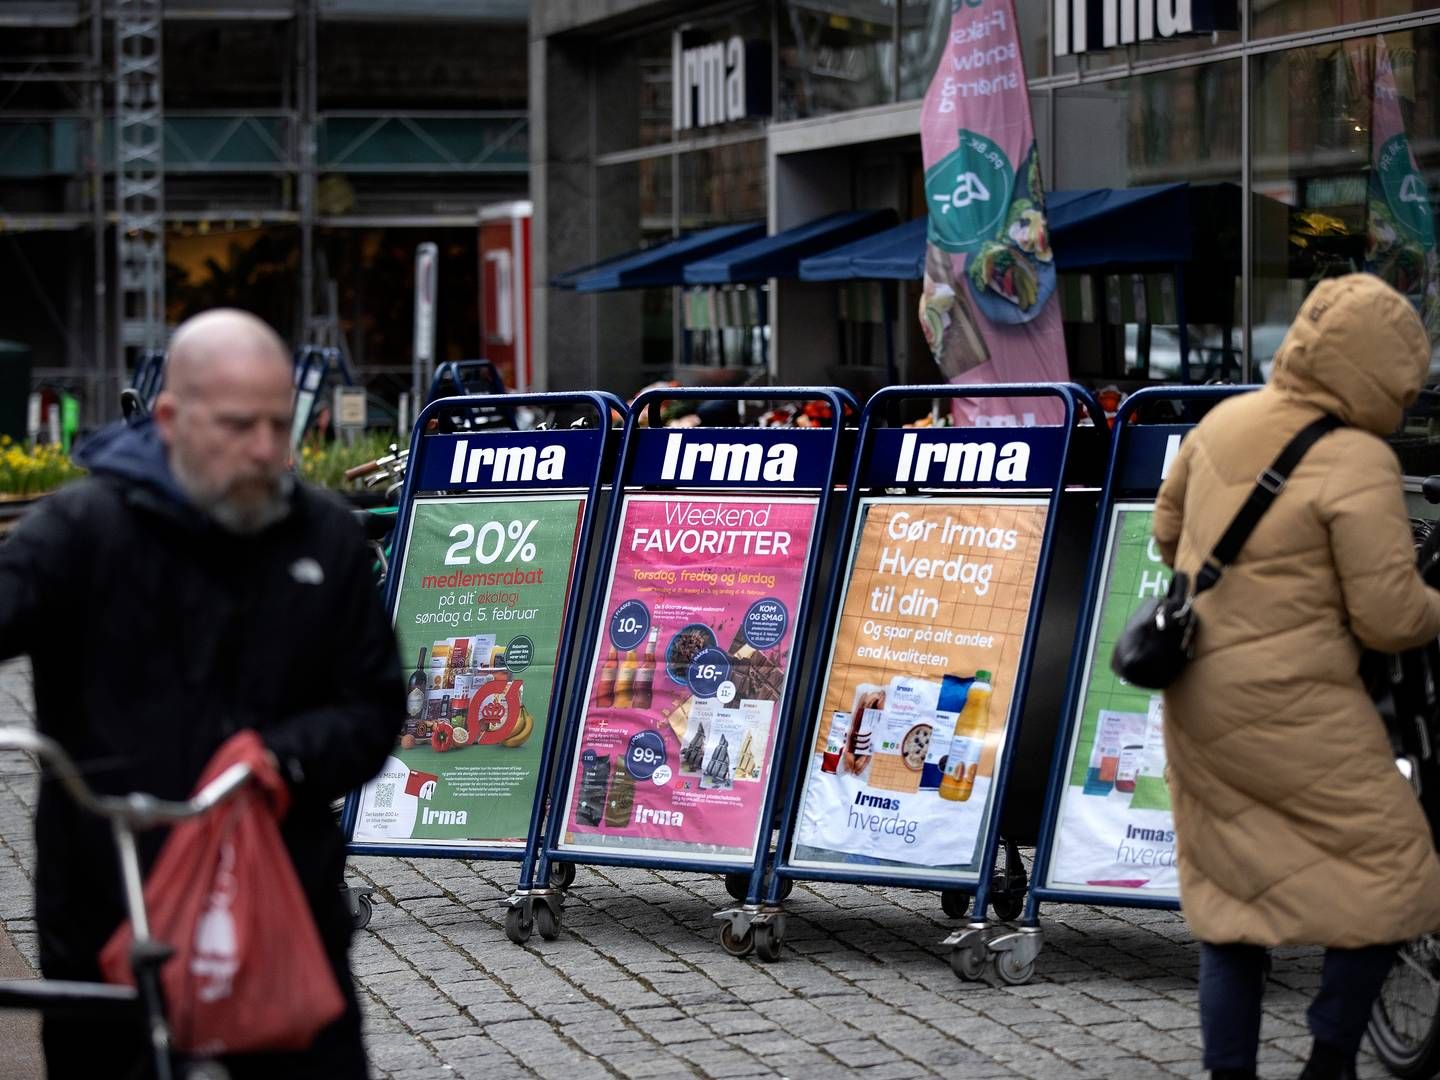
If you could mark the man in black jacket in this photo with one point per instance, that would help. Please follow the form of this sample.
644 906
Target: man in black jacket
187 589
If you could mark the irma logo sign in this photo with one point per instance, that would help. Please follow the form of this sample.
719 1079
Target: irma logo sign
1086 25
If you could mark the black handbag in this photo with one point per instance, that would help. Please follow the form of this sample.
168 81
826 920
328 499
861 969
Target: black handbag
1159 640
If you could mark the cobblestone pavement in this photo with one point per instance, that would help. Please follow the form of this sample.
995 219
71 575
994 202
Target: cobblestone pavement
637 984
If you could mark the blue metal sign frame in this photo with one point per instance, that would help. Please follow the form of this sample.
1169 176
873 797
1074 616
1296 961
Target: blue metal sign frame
881 465
636 470
589 447
1139 456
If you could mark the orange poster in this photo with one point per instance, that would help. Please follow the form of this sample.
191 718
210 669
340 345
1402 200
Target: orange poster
921 683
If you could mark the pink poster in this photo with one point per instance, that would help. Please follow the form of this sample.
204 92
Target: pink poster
988 307
692 662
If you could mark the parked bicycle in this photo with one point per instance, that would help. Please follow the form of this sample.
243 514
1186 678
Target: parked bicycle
128 814
1405 1022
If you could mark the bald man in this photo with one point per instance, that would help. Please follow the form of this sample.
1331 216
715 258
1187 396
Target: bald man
188 588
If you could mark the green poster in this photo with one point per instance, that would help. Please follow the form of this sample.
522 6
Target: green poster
1114 831
484 586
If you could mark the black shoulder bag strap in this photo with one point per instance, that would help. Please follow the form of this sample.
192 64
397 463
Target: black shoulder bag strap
1268 484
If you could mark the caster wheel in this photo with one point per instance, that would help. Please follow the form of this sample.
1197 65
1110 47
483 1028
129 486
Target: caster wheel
364 909
562 875
954 903
737 885
769 937
518 925
1011 972
1007 906
736 944
546 923
787 886
968 963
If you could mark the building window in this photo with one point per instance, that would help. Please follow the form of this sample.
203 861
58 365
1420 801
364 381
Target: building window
835 55
1272 18
1123 319
1346 163
723 184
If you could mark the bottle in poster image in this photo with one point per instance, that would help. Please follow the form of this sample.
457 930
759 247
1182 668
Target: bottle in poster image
967 744
605 684
953 691
625 680
644 686
415 694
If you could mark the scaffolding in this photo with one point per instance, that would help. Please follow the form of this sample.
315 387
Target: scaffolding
139 179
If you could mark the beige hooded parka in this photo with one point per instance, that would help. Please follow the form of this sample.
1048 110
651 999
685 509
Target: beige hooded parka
1293 825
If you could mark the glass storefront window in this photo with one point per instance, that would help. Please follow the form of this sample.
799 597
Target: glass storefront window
1346 166
723 184
1272 18
639 199
1123 321
1107 59
633 85
635 80
835 55
925 26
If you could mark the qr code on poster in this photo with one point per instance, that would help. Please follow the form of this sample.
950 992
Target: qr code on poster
384 796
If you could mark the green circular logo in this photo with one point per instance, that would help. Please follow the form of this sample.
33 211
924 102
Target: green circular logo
1405 190
968 192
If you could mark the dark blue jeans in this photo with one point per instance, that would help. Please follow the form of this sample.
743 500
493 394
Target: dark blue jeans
1232 982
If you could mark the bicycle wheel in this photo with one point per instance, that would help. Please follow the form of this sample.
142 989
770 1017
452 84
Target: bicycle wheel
1405 1022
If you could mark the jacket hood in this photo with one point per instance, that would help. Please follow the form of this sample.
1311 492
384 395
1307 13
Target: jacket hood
135 454
1357 350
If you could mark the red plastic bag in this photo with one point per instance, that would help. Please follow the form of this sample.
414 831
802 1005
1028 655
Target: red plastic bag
249 971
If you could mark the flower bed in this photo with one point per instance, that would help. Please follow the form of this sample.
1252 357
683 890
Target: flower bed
27 472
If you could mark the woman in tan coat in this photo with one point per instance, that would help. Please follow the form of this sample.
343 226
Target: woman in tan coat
1293 825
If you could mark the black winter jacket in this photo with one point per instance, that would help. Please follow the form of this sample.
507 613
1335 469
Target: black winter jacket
154 635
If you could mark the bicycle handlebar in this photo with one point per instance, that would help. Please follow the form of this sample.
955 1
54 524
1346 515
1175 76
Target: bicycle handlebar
138 810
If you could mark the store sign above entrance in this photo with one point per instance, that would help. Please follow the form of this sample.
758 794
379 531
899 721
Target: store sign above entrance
1086 25
717 82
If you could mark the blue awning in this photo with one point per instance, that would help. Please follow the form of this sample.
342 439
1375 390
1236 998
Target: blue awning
1118 227
897 254
664 264
779 255
568 279
1089 230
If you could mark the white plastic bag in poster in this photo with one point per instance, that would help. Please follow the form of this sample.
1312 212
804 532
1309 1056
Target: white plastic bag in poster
844 814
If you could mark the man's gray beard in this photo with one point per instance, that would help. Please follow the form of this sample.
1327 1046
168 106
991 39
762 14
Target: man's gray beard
230 516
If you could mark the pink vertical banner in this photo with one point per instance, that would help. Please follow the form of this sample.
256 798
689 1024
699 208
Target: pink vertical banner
988 308
1400 235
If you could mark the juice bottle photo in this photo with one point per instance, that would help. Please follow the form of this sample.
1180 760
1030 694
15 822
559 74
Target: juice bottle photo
962 763
625 681
605 685
642 693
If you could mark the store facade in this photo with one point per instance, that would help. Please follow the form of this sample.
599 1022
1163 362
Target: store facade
1154 119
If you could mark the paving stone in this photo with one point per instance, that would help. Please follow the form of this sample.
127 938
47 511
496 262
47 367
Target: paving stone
638 986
